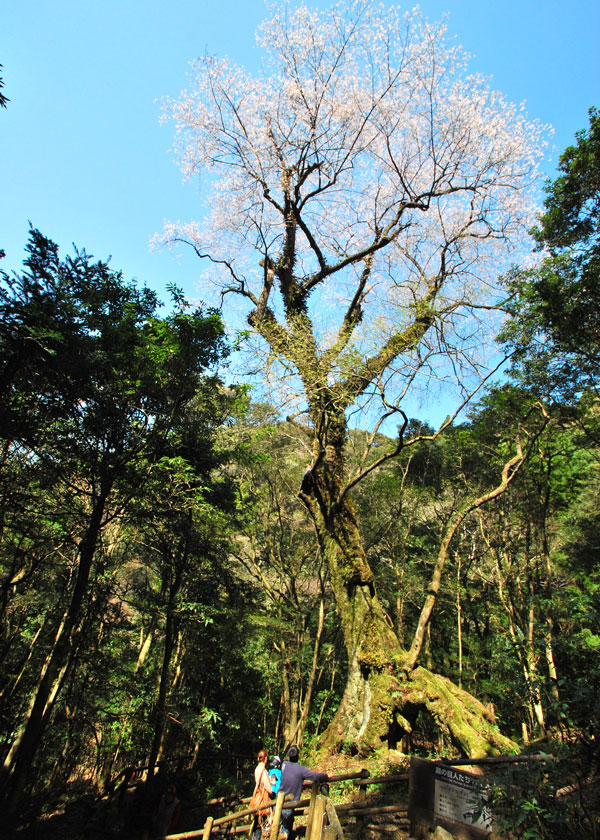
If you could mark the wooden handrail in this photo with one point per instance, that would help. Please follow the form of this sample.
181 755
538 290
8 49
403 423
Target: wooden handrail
222 800
375 809
343 777
302 803
493 759
382 780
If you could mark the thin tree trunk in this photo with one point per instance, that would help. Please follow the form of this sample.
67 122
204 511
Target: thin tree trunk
525 651
532 670
549 651
146 643
163 691
11 687
510 469
19 762
326 699
160 709
289 719
459 623
296 735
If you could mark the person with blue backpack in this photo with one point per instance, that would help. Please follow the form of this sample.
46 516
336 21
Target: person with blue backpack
275 773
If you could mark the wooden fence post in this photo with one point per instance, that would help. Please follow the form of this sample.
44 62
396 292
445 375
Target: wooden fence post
207 828
314 793
362 801
277 815
316 823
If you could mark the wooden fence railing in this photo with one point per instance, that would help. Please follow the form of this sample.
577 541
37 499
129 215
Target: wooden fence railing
322 815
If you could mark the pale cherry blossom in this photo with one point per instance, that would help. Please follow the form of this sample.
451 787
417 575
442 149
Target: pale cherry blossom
361 174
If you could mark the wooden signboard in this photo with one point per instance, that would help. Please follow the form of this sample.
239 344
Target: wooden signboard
447 796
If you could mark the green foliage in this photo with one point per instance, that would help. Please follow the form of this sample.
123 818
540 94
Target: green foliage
555 307
526 806
572 209
521 575
115 504
277 553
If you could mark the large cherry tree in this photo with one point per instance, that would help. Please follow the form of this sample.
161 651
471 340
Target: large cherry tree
365 193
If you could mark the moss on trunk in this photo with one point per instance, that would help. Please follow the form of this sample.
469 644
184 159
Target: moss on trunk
383 707
384 696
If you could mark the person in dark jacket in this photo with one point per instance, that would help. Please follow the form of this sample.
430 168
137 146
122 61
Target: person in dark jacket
293 776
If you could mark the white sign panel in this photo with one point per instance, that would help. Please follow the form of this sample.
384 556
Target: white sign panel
457 796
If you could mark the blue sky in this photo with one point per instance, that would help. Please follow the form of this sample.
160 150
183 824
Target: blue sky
84 158
82 153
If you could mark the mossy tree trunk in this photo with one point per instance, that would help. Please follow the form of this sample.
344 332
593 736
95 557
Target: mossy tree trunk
385 688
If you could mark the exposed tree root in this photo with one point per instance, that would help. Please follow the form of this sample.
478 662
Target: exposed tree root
384 707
